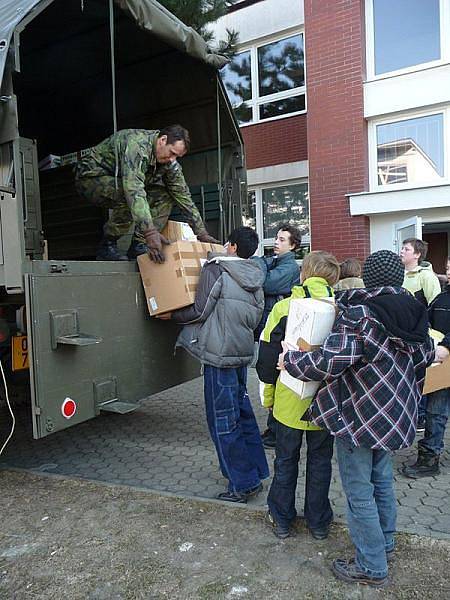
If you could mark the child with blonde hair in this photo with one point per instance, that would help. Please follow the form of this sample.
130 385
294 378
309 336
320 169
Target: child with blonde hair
320 272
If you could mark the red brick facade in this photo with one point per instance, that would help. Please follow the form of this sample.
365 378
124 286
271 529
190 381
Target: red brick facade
275 142
337 131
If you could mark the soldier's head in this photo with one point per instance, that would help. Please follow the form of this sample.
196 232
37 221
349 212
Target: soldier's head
172 143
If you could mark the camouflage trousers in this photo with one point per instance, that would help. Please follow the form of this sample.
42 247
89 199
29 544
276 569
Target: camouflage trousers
102 191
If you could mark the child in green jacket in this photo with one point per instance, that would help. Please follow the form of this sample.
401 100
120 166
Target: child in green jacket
320 271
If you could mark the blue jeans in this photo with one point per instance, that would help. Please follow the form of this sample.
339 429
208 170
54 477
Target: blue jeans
281 498
233 428
422 408
367 479
438 408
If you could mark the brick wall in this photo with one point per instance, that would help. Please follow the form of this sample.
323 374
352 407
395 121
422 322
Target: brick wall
275 142
337 131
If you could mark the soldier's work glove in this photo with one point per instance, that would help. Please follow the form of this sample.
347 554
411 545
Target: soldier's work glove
155 241
203 236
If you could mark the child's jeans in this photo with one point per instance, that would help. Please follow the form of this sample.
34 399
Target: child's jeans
233 428
281 498
438 408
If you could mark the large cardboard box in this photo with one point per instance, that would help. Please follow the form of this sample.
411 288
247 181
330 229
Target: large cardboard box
177 230
437 377
309 323
173 283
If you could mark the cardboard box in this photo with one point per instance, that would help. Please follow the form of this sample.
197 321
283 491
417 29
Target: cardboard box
437 377
52 161
309 323
176 230
173 283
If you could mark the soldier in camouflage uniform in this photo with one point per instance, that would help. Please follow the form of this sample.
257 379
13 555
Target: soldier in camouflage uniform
136 174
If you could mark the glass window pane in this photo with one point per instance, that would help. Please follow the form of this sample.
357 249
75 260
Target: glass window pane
281 65
406 33
249 210
282 107
411 150
243 113
237 78
286 204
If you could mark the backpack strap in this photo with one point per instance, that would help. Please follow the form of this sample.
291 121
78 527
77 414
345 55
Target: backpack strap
307 293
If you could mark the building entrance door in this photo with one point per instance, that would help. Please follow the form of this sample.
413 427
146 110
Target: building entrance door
409 228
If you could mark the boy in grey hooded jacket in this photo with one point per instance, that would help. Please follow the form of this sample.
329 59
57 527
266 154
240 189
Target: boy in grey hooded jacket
218 331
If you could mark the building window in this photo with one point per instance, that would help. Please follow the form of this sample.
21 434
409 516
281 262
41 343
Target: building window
237 77
267 81
410 151
249 210
405 34
238 4
269 206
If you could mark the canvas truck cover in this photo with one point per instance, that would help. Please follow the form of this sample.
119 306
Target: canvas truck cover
148 14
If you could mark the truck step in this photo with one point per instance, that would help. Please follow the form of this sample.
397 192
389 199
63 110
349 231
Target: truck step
119 407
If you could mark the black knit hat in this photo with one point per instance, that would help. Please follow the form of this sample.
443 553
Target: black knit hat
383 268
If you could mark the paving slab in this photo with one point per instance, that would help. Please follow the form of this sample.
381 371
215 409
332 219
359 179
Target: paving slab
165 446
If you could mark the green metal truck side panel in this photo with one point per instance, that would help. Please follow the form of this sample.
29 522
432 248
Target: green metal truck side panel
90 337
127 362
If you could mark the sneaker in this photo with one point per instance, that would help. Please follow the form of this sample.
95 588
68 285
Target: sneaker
390 555
251 493
240 497
420 425
232 497
278 530
320 533
347 570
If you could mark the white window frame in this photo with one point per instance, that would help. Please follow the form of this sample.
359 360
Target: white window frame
256 100
444 27
258 189
373 154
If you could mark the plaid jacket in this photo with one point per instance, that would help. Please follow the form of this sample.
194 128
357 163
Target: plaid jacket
372 379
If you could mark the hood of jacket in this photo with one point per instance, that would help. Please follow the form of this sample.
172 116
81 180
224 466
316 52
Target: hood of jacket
423 266
317 287
349 283
247 273
403 318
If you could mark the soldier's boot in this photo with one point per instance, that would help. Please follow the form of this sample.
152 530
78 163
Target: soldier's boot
108 250
426 465
136 248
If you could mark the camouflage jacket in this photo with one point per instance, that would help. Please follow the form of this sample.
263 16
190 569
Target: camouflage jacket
138 170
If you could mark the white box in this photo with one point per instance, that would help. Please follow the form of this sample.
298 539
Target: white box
309 323
177 231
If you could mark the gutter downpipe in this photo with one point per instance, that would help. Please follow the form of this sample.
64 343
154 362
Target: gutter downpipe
113 86
219 165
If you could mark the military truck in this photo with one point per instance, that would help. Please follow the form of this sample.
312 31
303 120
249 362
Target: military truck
75 334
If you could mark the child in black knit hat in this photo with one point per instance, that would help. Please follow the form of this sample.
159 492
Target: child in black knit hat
372 366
